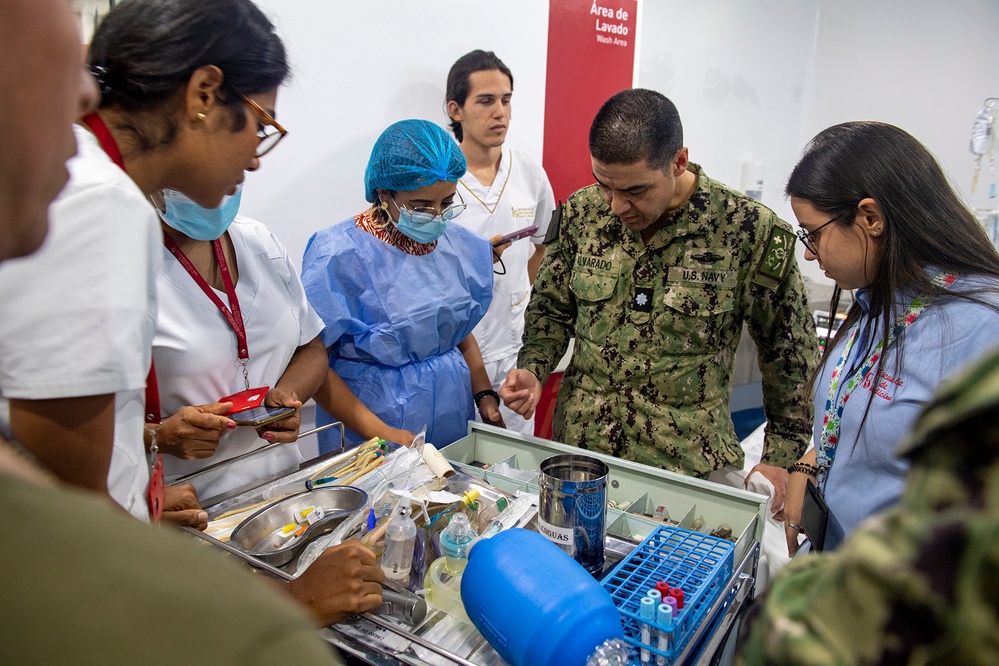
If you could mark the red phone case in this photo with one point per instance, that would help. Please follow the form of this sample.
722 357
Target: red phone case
247 399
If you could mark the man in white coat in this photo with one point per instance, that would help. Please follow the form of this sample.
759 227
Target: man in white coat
505 191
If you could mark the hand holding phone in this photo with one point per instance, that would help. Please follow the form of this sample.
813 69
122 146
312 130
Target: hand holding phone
260 416
815 516
517 235
247 399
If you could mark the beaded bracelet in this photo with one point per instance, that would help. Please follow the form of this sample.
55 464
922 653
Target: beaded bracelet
482 394
804 468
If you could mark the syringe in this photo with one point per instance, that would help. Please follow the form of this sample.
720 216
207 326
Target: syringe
514 513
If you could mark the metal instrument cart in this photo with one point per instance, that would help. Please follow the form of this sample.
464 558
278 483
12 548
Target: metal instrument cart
645 494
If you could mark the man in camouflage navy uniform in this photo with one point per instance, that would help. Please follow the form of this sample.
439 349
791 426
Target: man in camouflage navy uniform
920 582
654 271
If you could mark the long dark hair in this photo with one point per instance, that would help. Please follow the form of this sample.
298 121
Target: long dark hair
925 222
146 50
458 84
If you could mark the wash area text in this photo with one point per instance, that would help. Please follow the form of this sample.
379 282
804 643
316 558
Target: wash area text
605 29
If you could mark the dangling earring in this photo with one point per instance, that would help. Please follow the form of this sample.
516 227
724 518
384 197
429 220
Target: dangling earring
381 216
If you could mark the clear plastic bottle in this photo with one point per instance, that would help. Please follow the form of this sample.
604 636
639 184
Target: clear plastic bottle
612 652
443 581
400 536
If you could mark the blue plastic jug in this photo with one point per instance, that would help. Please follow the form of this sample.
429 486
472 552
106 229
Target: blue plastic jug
534 603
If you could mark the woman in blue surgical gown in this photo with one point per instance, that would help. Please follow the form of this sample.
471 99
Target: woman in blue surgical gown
400 290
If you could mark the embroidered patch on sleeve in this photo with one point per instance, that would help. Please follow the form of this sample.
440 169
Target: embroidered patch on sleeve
779 254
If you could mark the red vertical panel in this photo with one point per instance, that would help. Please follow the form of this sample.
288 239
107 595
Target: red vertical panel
591 55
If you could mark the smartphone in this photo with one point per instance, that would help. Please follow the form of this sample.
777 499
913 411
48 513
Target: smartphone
518 234
259 416
815 516
246 399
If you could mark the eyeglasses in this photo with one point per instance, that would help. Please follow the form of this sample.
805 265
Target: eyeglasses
425 214
810 238
269 132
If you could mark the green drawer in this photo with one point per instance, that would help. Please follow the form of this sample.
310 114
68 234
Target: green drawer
644 488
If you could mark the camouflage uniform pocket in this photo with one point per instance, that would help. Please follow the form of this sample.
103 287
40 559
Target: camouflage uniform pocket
594 316
694 319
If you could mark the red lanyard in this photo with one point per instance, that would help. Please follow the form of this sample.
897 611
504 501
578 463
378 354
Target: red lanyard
232 314
103 134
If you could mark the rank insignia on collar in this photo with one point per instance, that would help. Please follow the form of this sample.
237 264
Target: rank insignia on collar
643 299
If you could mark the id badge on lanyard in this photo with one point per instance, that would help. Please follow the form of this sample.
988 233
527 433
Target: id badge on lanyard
156 492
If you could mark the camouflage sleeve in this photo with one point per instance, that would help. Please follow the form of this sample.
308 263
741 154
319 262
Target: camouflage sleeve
780 323
914 585
837 608
552 309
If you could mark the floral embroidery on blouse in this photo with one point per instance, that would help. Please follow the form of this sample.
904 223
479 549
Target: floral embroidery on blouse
388 233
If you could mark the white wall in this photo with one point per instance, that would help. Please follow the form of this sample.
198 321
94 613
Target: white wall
925 66
739 74
753 79
359 67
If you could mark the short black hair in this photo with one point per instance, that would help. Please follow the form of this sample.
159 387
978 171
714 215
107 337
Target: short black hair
636 124
144 51
457 80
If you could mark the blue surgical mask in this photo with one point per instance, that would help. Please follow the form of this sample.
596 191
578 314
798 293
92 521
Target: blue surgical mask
204 224
425 225
421 232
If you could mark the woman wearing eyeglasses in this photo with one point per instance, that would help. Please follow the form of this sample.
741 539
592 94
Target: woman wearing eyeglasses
879 216
188 91
400 290
183 87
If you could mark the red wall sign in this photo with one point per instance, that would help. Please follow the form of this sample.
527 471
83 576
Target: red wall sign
591 56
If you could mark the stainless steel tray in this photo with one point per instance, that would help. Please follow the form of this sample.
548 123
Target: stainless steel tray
258 534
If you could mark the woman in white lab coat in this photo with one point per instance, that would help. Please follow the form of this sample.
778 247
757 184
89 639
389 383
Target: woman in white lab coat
182 87
188 92
202 354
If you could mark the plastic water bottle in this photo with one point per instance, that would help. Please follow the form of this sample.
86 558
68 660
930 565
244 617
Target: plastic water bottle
536 605
443 581
397 559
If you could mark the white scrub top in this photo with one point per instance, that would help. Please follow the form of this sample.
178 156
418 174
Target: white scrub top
519 196
195 348
79 313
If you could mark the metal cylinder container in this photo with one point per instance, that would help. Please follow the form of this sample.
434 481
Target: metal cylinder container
572 509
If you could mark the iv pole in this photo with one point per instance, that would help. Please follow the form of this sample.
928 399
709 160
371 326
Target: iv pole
983 145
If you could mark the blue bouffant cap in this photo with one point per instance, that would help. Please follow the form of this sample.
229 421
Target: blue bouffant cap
411 154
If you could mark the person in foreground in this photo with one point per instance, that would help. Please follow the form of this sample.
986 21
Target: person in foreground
879 216
917 583
655 271
140 575
400 290
109 586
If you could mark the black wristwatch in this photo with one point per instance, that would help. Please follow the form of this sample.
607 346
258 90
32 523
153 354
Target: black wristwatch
482 394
